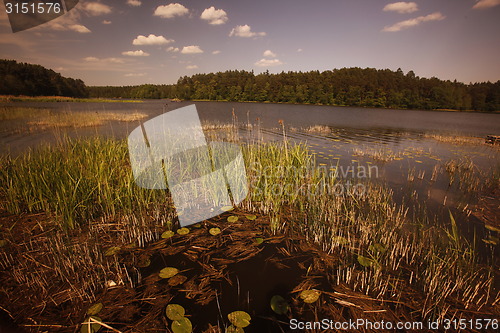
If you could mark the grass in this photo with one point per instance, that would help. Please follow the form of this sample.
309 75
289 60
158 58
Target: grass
455 139
377 154
41 118
10 98
380 251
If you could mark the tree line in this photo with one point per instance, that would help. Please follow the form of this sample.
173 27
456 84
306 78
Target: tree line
365 87
35 80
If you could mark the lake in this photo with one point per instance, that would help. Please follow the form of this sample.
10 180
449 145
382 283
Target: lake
403 145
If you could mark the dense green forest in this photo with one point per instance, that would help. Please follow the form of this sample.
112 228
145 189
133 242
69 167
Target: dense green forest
35 80
347 86
366 87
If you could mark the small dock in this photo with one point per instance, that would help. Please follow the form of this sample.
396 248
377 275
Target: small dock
493 139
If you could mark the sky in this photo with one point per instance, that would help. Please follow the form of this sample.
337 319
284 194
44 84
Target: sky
129 42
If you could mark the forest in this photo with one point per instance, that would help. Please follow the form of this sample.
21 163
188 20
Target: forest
363 87
366 87
35 80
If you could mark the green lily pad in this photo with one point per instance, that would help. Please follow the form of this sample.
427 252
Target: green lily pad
111 251
279 305
183 231
167 234
259 240
251 217
182 325
310 296
227 208
3 242
377 248
234 329
168 272
232 218
239 318
214 231
89 326
364 261
95 309
177 280
175 312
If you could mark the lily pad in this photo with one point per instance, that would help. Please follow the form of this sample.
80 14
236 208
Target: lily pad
175 312
89 326
310 296
234 329
95 309
168 272
214 231
111 251
377 248
182 325
239 318
3 242
251 217
232 218
177 280
167 234
364 261
259 240
227 208
183 231
279 305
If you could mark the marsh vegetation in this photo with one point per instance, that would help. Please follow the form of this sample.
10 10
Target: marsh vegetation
77 232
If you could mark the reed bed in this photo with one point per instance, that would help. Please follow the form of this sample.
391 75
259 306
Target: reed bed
58 99
377 154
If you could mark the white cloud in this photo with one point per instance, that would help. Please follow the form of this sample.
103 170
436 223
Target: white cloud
216 52
171 10
268 63
71 20
151 40
139 53
191 49
104 60
134 3
173 49
96 8
401 7
414 22
269 54
192 67
484 4
135 75
106 22
299 50
78 28
214 16
245 31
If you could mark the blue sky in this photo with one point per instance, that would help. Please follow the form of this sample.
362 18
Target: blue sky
126 42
